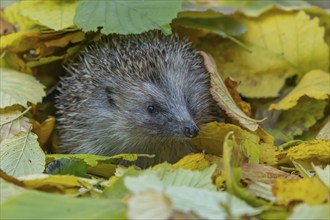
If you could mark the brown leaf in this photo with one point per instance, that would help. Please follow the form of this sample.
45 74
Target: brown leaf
263 173
232 85
43 130
222 96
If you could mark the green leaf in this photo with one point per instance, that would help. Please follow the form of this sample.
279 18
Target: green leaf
208 204
205 203
223 26
21 155
125 16
39 205
184 177
19 88
167 176
68 167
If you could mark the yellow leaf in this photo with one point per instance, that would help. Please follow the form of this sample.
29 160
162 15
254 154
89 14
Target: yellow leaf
265 136
268 154
319 149
71 37
13 39
309 190
193 162
212 135
56 15
12 15
282 45
315 84
59 183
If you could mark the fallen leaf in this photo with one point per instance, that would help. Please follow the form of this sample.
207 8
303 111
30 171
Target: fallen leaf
232 172
310 212
5 27
19 88
319 149
135 17
222 96
324 133
207 204
323 174
301 117
149 205
309 190
268 154
315 84
12 123
9 190
192 162
210 204
232 86
263 173
282 45
43 130
66 184
261 190
39 205
65 166
12 15
11 154
56 15
93 160
212 135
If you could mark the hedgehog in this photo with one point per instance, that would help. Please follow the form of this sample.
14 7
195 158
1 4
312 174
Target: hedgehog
138 94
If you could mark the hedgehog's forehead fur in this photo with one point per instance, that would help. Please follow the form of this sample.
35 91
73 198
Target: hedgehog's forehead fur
117 79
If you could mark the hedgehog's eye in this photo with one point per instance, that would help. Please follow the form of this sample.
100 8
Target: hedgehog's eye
151 109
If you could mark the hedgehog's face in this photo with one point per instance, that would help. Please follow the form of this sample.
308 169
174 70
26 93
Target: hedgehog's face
168 109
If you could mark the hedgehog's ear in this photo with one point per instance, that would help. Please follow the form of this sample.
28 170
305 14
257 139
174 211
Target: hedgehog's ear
110 93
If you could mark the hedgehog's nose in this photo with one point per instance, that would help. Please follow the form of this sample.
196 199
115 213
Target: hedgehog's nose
191 130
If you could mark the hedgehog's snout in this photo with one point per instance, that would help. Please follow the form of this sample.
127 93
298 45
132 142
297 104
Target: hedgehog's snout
190 130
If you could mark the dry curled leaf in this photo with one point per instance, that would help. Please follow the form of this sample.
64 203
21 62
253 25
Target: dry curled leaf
222 96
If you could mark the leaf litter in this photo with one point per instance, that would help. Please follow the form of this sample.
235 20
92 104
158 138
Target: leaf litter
274 57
